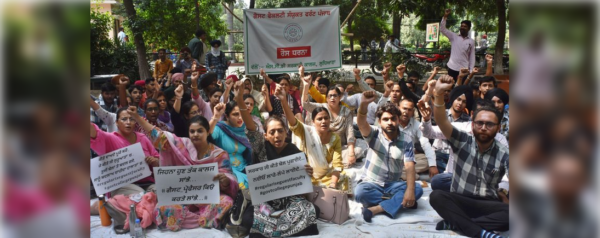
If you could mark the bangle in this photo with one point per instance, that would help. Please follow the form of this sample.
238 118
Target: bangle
360 113
438 105
244 109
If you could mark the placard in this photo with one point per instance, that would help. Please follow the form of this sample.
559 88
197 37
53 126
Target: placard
278 178
118 168
192 184
278 40
433 32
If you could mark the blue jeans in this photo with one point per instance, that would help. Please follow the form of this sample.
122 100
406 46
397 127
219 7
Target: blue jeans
441 160
441 181
370 194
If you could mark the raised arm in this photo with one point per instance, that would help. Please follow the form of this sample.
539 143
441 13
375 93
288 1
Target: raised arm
239 98
195 76
178 98
289 115
436 69
490 66
361 117
443 28
441 86
266 101
461 74
475 70
140 120
229 84
217 114
122 91
405 90
266 77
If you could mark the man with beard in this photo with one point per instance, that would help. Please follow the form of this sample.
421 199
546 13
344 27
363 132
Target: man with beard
381 188
108 102
473 206
462 52
410 126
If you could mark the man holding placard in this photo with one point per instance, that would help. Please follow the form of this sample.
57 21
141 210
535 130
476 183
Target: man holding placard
381 189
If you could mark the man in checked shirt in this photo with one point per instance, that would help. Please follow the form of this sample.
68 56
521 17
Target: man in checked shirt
473 205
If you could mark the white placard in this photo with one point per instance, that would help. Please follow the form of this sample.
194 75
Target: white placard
278 40
191 184
118 168
278 178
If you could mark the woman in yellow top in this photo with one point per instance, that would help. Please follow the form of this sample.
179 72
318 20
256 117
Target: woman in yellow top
323 148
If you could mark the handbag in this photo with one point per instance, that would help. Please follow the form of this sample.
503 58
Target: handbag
333 205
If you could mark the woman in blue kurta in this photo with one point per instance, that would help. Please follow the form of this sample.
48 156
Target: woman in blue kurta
230 135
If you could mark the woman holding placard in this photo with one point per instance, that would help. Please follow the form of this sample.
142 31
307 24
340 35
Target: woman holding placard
323 148
299 215
195 150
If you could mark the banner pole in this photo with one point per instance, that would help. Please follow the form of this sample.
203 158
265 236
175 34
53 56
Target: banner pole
350 14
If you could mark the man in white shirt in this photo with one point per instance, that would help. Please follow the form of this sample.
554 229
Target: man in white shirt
462 53
410 126
392 45
121 35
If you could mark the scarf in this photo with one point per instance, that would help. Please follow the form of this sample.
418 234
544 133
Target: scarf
215 51
256 112
314 150
338 124
238 134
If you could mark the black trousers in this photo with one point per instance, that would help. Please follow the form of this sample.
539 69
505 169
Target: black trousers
470 215
452 73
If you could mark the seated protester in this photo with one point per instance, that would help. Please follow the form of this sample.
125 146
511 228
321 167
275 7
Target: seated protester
499 98
162 66
412 82
196 150
208 81
472 206
215 60
380 188
103 142
107 101
442 181
186 61
395 94
461 99
340 120
300 216
151 111
319 89
214 97
258 96
292 89
151 90
256 117
135 95
180 112
323 148
163 113
486 84
354 100
276 103
107 119
409 126
230 134
169 81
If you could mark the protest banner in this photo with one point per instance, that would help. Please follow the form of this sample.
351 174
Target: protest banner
278 40
433 32
118 168
278 178
191 184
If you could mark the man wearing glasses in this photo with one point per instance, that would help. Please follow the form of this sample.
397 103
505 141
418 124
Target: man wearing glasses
473 205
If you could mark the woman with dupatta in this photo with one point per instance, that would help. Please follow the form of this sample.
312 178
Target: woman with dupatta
195 150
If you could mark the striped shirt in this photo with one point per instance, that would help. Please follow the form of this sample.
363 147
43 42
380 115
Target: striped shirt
477 173
385 159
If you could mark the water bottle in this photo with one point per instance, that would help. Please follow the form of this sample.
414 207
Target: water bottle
139 232
105 218
132 218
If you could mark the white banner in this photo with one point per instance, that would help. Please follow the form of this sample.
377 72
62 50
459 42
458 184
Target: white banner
278 40
118 168
278 178
187 184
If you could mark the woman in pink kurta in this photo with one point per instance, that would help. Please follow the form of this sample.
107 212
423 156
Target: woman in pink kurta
103 142
196 150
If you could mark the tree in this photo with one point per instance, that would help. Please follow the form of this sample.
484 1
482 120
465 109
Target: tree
138 39
499 50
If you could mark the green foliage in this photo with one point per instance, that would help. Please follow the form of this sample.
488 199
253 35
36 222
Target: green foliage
107 57
171 24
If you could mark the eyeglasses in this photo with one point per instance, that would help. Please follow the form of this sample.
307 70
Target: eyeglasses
125 119
332 96
489 125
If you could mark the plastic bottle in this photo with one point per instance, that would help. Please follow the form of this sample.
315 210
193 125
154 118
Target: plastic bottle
132 218
139 232
105 218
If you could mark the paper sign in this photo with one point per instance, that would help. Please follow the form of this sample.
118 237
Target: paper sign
278 40
278 178
192 184
118 168
433 32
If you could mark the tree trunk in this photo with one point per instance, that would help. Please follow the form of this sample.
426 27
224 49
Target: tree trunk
395 24
197 15
400 29
138 40
499 50
350 29
251 4
230 35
